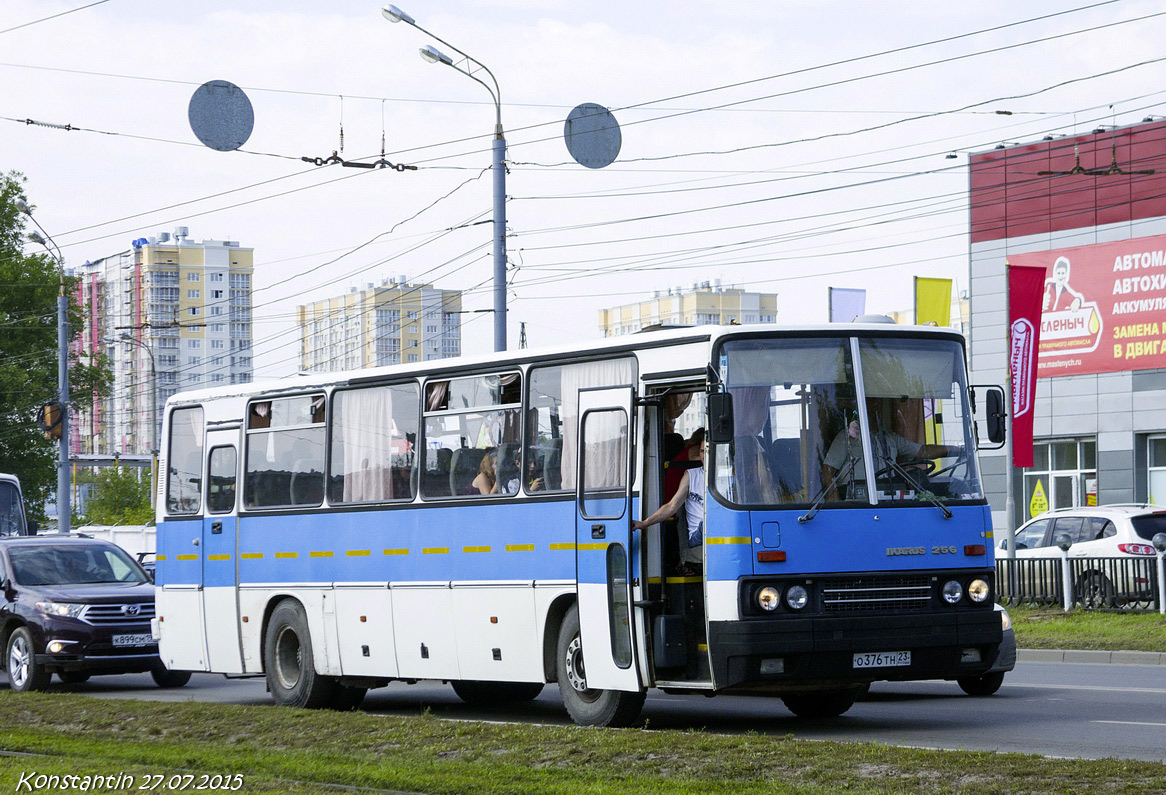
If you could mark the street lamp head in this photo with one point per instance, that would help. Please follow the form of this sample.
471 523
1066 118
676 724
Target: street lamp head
22 205
434 55
394 14
38 238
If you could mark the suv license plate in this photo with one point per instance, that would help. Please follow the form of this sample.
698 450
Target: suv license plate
132 640
882 659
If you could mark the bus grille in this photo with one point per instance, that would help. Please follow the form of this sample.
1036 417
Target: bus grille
876 593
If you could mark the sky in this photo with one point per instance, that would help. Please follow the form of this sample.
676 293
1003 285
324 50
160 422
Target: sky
780 147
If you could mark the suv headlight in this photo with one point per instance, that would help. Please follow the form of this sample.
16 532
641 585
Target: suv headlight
65 609
1005 620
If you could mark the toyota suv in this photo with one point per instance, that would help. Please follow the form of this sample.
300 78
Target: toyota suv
75 606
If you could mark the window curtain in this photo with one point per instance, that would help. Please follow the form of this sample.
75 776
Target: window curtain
613 372
364 427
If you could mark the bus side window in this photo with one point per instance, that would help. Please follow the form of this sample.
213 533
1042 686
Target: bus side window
184 462
373 432
285 452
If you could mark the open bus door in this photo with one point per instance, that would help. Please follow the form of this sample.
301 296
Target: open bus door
605 548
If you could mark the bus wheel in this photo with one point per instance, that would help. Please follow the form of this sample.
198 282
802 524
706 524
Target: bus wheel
820 703
984 685
287 657
346 698
485 694
589 707
165 678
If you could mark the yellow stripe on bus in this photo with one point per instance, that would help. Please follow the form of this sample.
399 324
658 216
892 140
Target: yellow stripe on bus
188 557
159 557
218 557
435 550
988 534
327 553
557 547
287 554
475 549
654 581
358 553
591 547
252 556
396 552
681 580
702 647
731 540
520 547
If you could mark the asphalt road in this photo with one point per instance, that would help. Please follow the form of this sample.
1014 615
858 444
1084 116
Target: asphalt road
1055 709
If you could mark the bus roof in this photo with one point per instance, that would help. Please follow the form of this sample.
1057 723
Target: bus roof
633 342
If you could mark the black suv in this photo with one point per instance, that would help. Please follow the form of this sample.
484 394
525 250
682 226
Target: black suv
75 606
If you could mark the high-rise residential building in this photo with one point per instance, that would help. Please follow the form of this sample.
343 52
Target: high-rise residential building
703 303
170 314
388 323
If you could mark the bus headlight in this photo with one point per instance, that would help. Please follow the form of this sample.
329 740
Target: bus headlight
796 597
767 598
978 591
952 592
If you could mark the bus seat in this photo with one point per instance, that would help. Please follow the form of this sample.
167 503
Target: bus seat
508 464
435 479
463 469
552 466
785 457
307 483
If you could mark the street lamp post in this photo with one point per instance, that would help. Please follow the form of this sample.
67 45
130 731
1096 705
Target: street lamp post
433 55
153 413
64 487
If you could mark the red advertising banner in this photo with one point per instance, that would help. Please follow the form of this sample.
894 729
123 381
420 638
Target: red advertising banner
1025 287
1103 307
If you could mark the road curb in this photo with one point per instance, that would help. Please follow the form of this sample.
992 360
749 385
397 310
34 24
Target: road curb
1091 656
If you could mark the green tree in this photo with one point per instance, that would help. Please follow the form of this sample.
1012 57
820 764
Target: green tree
121 495
29 285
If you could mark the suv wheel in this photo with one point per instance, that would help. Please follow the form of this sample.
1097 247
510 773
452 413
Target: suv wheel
24 673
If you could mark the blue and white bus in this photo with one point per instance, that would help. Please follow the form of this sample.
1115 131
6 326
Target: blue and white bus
470 521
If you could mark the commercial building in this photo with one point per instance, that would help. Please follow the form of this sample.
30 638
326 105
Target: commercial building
170 314
1091 211
701 304
387 323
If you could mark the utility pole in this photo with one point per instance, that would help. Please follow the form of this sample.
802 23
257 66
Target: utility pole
64 485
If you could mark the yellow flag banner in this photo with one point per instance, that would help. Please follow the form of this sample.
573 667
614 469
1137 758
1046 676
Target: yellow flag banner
933 301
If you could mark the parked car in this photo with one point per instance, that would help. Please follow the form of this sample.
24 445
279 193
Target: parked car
1122 532
75 607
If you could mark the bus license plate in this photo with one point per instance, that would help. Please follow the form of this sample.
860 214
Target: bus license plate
882 659
132 640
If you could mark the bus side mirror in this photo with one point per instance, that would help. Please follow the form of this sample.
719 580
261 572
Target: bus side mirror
996 415
720 418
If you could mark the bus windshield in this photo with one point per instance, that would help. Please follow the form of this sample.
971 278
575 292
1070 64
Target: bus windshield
802 435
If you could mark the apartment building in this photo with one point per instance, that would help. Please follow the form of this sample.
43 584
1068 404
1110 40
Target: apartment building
392 322
170 314
703 303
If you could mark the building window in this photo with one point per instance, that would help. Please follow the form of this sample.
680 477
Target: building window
218 344
193 294
216 310
412 357
194 311
1063 475
216 277
1157 468
411 315
194 361
216 293
194 345
194 276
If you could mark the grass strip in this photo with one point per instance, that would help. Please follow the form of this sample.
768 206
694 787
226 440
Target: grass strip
287 750
1053 628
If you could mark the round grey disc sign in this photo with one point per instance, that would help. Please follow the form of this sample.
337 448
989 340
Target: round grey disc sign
592 135
221 115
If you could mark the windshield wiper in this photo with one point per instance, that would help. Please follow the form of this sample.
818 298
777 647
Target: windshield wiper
919 490
820 497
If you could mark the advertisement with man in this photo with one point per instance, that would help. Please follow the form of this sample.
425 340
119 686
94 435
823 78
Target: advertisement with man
1104 307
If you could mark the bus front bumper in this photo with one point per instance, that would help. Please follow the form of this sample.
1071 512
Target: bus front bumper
821 651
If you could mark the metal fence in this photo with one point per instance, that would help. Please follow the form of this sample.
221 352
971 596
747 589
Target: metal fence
1094 583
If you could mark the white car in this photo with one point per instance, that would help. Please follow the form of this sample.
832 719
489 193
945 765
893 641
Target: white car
1121 532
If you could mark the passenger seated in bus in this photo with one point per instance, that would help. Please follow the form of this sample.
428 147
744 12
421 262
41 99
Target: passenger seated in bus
486 481
690 494
838 469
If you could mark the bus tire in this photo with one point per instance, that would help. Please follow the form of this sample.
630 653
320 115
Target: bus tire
166 679
984 685
821 703
589 707
288 661
485 694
